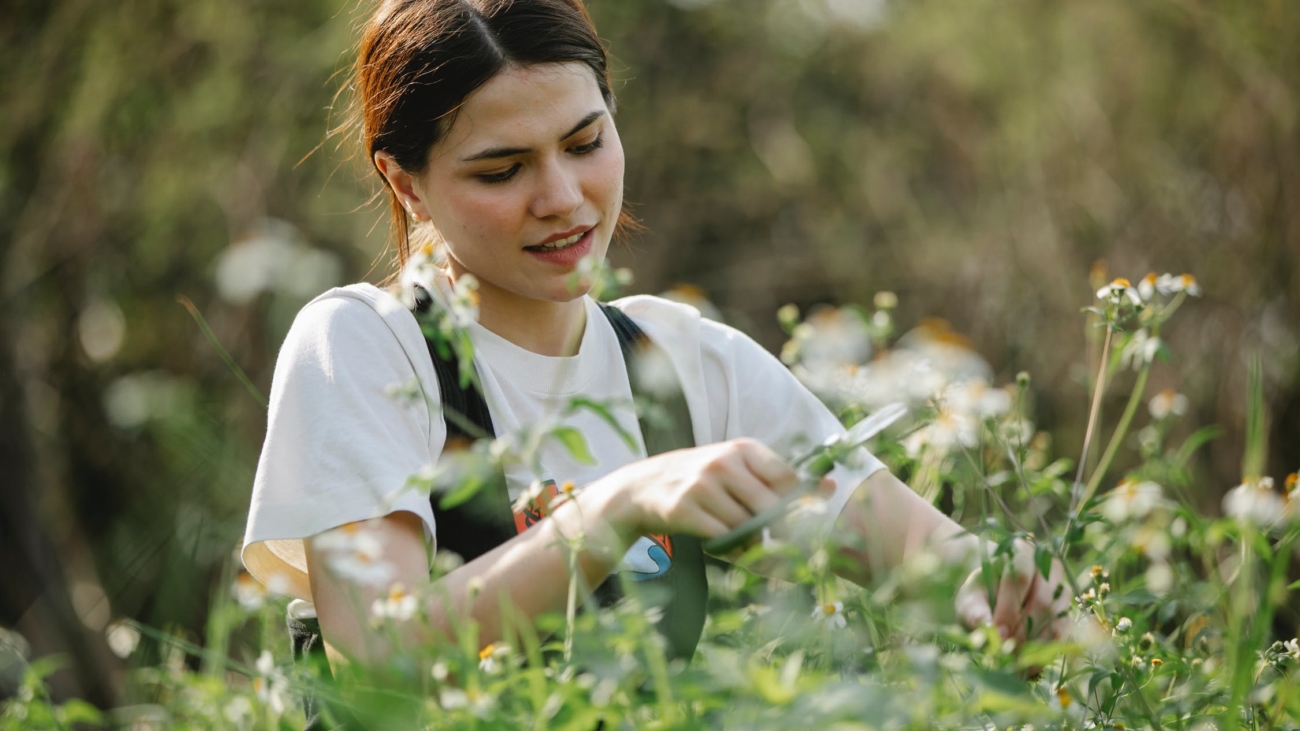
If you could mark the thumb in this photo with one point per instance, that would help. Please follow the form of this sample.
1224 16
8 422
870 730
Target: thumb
972 603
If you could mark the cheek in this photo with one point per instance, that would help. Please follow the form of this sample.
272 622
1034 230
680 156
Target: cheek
482 213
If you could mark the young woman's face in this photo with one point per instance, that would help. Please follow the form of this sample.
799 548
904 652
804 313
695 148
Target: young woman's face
527 181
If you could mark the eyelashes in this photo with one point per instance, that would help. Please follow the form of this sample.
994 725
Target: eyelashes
503 176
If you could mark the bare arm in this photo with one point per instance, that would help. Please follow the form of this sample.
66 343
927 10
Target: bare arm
531 569
885 523
704 491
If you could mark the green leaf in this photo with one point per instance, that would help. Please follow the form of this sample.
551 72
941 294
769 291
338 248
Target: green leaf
461 494
573 441
579 403
1043 560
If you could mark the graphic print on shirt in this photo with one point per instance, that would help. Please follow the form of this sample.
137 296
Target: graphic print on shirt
650 557
539 507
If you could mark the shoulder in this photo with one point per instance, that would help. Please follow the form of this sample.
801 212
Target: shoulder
665 319
356 319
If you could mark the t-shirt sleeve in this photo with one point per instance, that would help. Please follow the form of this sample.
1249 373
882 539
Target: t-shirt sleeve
752 394
347 426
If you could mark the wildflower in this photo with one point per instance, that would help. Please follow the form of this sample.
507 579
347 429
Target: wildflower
1099 572
439 671
122 638
885 300
830 338
831 614
398 605
356 555
248 591
464 301
1131 500
567 488
1160 578
1063 696
1123 625
1147 287
1140 350
1170 284
1147 641
1290 483
1156 662
490 657
446 561
238 709
1253 501
1167 402
1292 649
1117 291
1104 589
269 683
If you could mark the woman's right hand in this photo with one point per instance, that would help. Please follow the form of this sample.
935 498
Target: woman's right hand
704 491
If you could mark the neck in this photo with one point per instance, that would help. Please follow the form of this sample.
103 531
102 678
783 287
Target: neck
541 326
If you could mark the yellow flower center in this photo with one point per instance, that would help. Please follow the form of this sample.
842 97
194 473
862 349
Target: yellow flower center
1121 282
1063 694
828 608
567 487
1291 481
486 652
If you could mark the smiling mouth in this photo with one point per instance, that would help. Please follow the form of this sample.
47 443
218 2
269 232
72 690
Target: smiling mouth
559 245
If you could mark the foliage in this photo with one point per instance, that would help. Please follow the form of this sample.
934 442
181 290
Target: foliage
1172 614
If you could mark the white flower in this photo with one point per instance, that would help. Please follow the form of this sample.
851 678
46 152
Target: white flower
1147 287
1116 291
1292 648
1170 284
356 555
463 304
1254 501
1168 402
491 657
1140 350
249 592
1123 625
452 699
122 639
270 683
1131 500
238 709
830 614
398 605
439 671
829 339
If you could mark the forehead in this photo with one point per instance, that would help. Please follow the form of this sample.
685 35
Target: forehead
523 106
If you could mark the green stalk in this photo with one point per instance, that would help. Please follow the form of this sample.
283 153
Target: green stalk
1120 432
225 356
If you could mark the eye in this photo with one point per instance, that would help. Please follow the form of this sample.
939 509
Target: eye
592 146
500 177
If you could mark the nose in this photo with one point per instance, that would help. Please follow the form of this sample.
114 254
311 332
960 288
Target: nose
559 191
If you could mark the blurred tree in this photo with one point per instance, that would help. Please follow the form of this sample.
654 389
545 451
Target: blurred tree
975 157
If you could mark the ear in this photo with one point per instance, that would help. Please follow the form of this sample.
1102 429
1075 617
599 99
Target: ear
403 184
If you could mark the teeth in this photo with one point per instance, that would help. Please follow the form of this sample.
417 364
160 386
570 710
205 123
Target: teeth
562 243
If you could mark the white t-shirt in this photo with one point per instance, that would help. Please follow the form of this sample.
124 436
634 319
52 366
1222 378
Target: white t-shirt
340 446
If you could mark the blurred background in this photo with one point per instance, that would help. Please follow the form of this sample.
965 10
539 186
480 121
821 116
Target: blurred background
987 161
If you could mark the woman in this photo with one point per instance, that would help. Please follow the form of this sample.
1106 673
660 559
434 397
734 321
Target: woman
491 125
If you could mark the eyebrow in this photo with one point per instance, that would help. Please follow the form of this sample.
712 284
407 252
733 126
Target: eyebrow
493 153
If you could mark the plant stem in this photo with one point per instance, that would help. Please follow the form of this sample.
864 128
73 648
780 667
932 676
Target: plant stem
1121 430
225 356
1092 425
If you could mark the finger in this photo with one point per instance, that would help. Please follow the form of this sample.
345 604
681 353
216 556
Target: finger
1015 583
700 522
768 465
826 490
718 502
973 603
751 492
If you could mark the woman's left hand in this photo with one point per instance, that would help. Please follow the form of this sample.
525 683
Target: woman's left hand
1026 605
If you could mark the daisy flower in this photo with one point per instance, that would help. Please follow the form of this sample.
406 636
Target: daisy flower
1131 500
398 605
1117 291
1254 501
830 614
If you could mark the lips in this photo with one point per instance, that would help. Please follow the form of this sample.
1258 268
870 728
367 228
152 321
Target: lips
561 240
566 251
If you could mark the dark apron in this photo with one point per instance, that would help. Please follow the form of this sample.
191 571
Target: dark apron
486 520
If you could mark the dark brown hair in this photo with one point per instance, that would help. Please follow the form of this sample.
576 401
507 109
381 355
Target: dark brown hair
420 59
